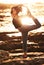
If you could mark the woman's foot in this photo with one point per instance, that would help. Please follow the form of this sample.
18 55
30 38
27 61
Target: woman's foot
25 55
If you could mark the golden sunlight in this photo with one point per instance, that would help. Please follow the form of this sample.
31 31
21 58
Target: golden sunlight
38 13
27 21
24 18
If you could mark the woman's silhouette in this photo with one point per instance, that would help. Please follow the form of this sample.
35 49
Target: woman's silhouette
24 29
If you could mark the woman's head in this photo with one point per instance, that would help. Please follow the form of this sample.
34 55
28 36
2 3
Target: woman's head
15 10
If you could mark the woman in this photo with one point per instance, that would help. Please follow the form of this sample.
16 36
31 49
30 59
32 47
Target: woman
24 29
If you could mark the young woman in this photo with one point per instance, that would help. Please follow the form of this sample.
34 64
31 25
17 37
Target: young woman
24 29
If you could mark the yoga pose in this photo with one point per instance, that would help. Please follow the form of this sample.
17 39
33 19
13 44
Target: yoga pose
24 29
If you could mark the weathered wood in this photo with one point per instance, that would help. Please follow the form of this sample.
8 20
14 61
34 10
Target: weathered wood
8 32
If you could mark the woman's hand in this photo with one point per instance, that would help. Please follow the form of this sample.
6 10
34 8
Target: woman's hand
30 15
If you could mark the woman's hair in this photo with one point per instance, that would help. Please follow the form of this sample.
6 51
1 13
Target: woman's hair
17 8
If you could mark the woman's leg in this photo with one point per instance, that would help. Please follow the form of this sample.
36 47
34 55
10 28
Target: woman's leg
24 39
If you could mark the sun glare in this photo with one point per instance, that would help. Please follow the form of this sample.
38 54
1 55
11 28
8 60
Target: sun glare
27 21
24 18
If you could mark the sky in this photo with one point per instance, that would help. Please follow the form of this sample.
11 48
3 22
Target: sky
20 1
